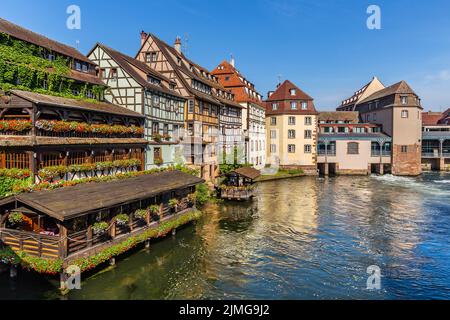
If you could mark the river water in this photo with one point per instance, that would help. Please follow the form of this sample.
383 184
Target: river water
302 238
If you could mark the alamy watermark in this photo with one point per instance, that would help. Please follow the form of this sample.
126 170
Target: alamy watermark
73 22
374 20
374 279
72 278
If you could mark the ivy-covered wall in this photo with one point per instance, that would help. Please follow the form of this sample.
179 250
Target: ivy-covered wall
23 67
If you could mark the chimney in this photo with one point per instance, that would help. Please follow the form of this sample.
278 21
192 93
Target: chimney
232 62
269 94
177 45
144 36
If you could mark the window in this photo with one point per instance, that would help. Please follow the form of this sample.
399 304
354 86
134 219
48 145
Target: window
404 149
304 105
353 148
113 74
291 134
308 148
155 128
294 105
291 148
308 134
404 100
191 106
274 106
308 121
151 57
374 117
77 66
157 154
273 148
293 92
405 114
273 134
291 121
227 78
85 67
273 121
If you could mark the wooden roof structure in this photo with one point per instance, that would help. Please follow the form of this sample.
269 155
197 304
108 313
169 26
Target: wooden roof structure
72 202
102 107
247 172
29 36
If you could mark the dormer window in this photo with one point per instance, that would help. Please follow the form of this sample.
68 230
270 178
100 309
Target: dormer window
179 61
274 106
293 92
113 74
153 80
404 100
304 105
293 105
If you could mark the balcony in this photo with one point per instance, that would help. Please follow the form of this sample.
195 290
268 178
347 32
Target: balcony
378 153
329 153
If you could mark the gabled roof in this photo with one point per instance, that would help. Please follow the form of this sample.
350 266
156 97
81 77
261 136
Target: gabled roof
248 172
92 197
29 36
283 92
170 51
231 78
103 107
431 118
129 64
398 88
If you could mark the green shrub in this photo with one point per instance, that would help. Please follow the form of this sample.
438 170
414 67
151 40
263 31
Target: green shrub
122 219
201 194
100 227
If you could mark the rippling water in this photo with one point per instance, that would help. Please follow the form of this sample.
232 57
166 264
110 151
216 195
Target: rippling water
305 238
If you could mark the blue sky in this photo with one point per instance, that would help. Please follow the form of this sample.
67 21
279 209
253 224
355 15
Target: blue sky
322 46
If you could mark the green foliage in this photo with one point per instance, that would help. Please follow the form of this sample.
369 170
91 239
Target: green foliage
23 67
122 219
173 203
160 231
11 179
100 227
50 173
40 265
154 209
15 218
201 194
141 214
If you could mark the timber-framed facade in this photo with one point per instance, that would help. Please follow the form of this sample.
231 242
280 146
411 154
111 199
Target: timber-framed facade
41 133
207 102
137 87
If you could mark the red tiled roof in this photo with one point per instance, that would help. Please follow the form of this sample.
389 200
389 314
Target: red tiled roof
283 92
231 79
398 88
29 36
431 118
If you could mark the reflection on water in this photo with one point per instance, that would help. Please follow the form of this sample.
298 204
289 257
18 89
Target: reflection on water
305 238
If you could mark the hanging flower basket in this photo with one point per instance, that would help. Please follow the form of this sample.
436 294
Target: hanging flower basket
122 220
15 218
141 214
100 228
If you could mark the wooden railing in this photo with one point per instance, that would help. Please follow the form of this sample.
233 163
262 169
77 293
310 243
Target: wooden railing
237 194
33 244
44 133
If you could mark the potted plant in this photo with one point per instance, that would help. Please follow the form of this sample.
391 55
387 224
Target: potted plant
173 204
122 219
100 228
191 198
158 162
15 218
167 137
141 214
157 137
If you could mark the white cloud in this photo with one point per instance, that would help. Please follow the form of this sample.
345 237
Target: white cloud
443 75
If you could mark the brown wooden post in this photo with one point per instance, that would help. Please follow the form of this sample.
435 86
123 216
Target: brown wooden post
130 222
147 218
89 236
3 160
64 244
112 232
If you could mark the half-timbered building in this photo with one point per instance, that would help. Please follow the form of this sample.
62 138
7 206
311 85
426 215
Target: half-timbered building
60 138
253 112
207 102
54 121
137 87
